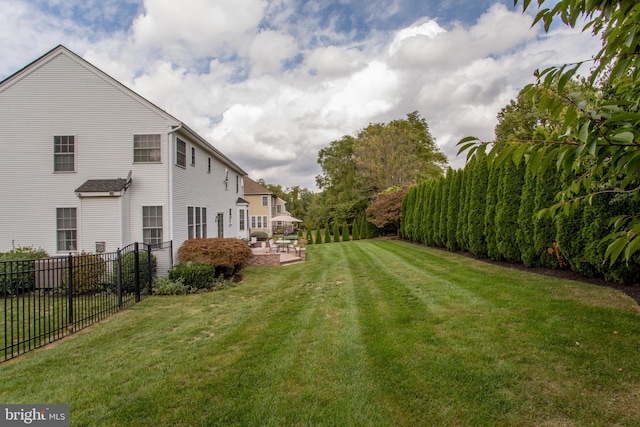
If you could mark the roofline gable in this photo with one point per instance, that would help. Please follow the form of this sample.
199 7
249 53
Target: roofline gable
177 125
62 50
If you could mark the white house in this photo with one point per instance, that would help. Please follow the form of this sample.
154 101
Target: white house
86 164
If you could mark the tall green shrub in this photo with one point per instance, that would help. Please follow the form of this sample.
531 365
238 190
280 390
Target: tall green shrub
509 195
327 233
453 208
355 230
318 236
345 232
477 207
441 234
336 232
544 228
490 212
461 226
527 214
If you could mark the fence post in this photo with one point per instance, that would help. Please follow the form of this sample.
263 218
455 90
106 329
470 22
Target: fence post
136 264
70 291
170 253
149 271
119 278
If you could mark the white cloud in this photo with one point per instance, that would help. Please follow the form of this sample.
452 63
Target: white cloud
219 67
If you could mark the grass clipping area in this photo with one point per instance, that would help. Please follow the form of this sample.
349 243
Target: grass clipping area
368 332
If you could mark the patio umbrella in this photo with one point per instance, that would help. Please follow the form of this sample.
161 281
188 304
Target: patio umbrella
284 218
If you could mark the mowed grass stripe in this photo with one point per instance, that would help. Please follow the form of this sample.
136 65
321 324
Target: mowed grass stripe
364 333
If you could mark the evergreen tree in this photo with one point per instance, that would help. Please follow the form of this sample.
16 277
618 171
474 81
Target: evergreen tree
465 186
527 215
327 233
363 229
345 232
544 228
490 212
442 222
477 207
318 236
355 230
453 208
336 232
509 195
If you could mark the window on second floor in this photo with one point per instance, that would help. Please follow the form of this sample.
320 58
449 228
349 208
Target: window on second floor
64 153
146 148
193 156
265 200
208 164
181 153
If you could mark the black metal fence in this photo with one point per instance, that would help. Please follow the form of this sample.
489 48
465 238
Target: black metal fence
46 299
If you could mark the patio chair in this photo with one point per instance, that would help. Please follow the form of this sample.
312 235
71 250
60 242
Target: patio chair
273 247
293 246
253 242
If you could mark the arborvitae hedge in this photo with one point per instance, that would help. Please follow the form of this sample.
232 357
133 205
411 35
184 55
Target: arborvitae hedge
318 236
453 208
327 234
476 208
496 207
526 217
490 213
509 193
336 232
345 232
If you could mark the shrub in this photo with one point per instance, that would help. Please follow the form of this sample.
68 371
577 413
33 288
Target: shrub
196 275
88 274
227 255
261 236
20 275
129 270
166 286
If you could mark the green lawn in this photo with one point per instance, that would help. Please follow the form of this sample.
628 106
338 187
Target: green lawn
364 333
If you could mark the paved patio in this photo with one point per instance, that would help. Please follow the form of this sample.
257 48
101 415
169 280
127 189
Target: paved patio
262 256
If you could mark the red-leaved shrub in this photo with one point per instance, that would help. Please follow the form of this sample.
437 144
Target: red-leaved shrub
227 255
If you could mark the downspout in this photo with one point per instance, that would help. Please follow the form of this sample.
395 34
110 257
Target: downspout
171 156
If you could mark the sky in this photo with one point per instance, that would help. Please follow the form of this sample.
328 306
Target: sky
272 82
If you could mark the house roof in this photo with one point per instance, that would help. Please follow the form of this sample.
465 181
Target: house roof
241 201
178 126
102 185
252 187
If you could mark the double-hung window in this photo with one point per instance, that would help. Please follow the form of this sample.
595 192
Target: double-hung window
146 148
64 153
241 219
193 156
152 224
66 229
265 200
181 153
196 222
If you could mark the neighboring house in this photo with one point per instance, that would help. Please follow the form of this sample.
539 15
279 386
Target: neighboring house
263 205
86 164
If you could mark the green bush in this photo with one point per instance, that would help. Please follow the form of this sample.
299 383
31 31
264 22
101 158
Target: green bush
19 276
129 270
166 286
261 236
88 274
197 275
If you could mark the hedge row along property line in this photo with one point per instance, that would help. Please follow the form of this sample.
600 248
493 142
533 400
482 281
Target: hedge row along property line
493 212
